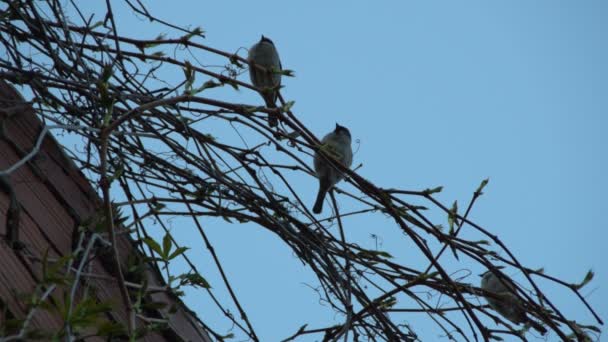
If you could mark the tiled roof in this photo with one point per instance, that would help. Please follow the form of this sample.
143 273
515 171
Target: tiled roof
55 199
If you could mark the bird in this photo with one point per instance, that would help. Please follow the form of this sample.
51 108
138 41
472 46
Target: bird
509 306
338 144
264 54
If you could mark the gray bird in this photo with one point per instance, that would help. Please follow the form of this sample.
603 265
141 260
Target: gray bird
268 81
509 306
336 144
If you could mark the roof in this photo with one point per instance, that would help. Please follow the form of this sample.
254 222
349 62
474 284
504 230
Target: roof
53 199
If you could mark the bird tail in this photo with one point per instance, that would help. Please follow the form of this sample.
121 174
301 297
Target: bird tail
537 326
270 100
318 208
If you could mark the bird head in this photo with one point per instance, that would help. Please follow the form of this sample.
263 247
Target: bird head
342 130
266 39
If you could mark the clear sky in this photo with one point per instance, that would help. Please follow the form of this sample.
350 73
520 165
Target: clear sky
435 93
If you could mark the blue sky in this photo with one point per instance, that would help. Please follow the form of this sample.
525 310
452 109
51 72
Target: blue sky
434 93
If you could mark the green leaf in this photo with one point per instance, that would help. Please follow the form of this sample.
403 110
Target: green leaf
86 313
387 303
153 245
106 73
166 245
589 327
244 220
96 25
108 328
588 278
483 184
157 206
225 337
250 109
366 253
432 191
202 192
302 328
197 31
195 279
117 173
234 59
402 211
287 106
178 293
452 215
288 73
482 242
425 276
230 82
105 98
207 85
190 77
384 254
159 37
52 273
108 116
179 251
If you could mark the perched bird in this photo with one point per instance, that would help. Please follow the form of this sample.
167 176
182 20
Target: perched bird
268 81
509 306
336 144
